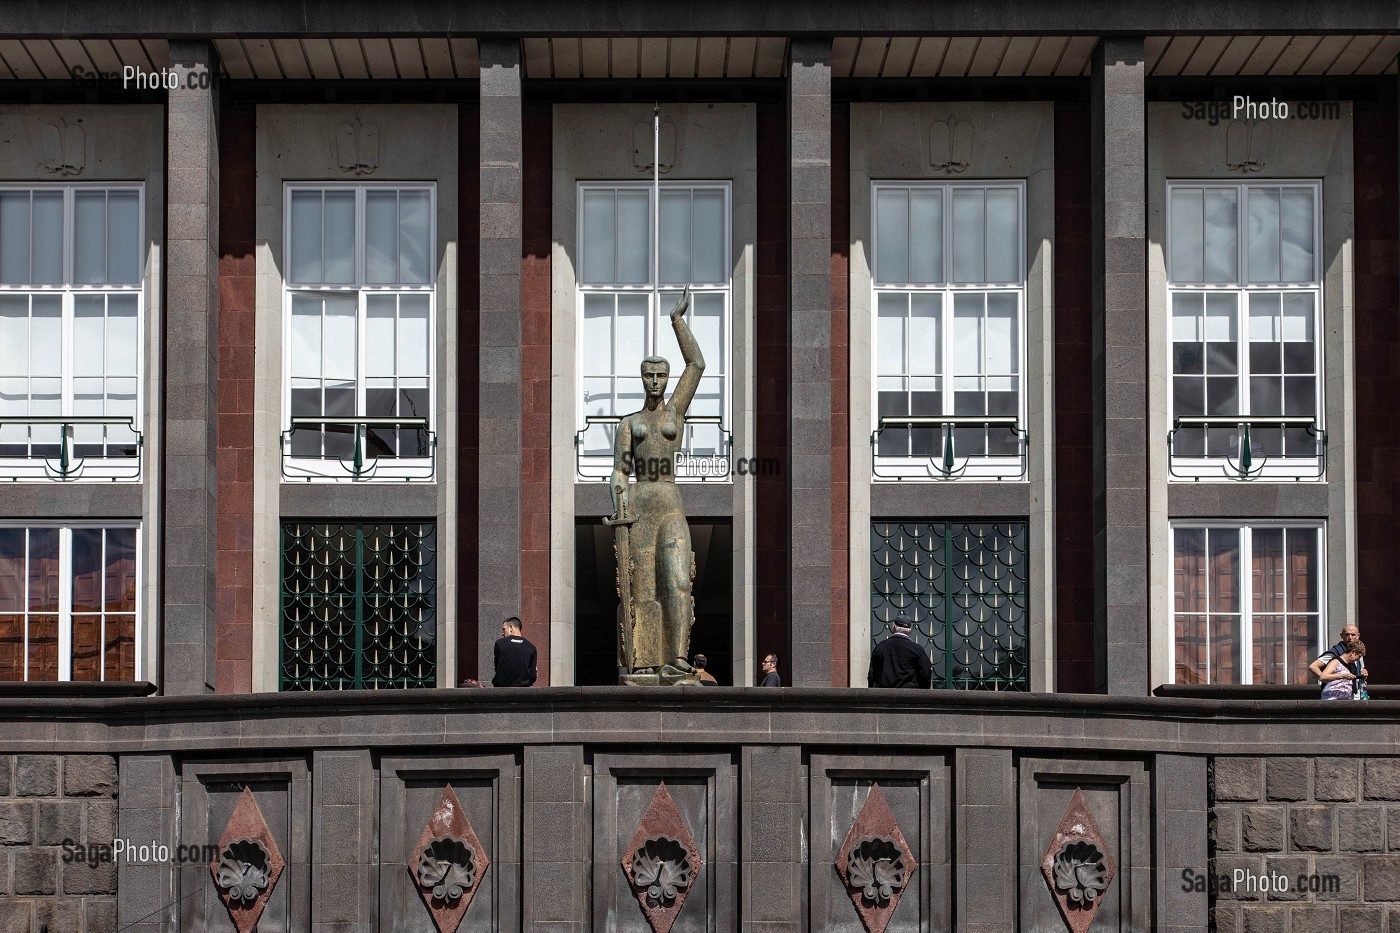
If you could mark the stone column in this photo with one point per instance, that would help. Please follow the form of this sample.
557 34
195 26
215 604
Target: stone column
985 785
344 845
556 843
1181 811
191 362
1119 167
147 901
772 835
809 361
498 488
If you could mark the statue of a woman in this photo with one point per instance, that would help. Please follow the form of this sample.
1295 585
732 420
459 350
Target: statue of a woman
654 540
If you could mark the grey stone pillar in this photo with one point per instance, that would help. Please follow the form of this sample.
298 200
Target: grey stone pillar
771 838
809 360
1120 367
147 901
191 363
985 786
1180 812
557 844
344 848
498 489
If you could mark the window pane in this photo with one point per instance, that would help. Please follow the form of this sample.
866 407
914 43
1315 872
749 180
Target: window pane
708 327
925 235
967 333
413 335
89 318
675 236
1003 351
1191 650
1003 236
87 569
415 238
1297 324
90 237
14 335
968 235
46 336
47 243
122 335
1187 226
306 337
633 237
1223 569
1263 234
1298 256
1302 573
1189 571
338 351
710 263
597 334
925 335
889 334
380 336
599 237
632 313
305 246
340 237
892 235
1268 569
1222 252
14 238
123 238
381 237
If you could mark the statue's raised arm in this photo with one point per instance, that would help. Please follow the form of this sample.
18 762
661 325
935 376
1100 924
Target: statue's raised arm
690 352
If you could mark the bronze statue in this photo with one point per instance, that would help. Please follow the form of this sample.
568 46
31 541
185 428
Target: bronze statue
655 563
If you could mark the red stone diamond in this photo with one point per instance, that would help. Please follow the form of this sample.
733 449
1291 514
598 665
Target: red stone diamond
247 865
875 863
448 863
1077 866
662 861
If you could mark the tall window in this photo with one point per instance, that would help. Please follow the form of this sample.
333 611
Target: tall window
359 605
360 273
1245 293
949 290
1248 604
624 320
70 326
69 603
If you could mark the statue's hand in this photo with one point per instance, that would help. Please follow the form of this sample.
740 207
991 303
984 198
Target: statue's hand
682 305
619 495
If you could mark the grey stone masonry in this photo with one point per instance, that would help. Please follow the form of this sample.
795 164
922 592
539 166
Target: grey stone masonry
191 370
1306 844
1119 174
556 805
54 811
809 360
500 427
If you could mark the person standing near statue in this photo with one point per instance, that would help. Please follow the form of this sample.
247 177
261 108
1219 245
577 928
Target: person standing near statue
899 661
516 659
656 566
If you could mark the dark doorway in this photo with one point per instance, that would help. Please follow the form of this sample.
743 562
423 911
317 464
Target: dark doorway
595 600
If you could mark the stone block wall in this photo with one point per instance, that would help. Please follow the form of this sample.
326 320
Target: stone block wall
46 800
1329 826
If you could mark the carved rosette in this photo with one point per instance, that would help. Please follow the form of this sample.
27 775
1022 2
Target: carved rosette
875 863
448 863
662 862
247 865
1077 866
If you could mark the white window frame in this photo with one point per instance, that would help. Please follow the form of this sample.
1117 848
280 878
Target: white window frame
915 469
65 595
1246 574
1195 469
401 469
95 469
597 469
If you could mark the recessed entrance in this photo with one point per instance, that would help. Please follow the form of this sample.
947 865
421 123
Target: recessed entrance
595 600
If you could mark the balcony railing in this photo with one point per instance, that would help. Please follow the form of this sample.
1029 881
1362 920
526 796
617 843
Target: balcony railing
945 464
377 449
65 453
1247 463
598 472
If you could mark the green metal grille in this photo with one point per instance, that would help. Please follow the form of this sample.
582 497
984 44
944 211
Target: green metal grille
358 605
964 586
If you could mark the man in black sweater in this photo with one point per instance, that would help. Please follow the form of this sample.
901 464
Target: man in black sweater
898 661
515 657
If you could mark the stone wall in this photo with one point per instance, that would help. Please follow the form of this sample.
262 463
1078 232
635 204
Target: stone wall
48 805
1329 826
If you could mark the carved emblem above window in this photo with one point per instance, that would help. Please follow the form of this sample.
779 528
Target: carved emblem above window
950 145
357 147
63 148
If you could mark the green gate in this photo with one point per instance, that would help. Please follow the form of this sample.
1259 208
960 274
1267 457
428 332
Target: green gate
963 583
358 605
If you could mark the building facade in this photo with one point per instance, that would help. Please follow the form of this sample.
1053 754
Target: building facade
1066 332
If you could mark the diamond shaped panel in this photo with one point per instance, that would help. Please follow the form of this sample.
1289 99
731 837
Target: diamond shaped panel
875 863
448 863
662 862
247 865
1077 866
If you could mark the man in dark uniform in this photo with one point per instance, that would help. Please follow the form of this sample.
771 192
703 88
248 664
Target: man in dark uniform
515 657
898 661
